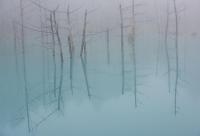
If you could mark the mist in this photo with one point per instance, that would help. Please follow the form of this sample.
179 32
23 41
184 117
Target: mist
99 67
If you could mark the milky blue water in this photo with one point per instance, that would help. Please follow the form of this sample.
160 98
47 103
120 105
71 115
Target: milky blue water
108 112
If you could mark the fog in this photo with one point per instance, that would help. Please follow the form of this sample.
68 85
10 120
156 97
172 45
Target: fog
99 67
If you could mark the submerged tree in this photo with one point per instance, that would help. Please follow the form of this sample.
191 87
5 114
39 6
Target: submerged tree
84 52
84 44
84 66
108 45
54 54
167 48
122 49
176 55
61 60
15 40
158 23
43 53
132 41
24 65
48 53
71 48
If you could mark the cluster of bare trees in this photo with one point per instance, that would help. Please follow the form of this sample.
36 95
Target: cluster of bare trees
172 17
171 30
176 49
131 40
51 29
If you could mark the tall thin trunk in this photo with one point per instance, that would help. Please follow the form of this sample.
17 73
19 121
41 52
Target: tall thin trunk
83 45
43 54
108 45
24 65
159 39
166 49
71 49
122 48
177 56
84 66
61 59
48 53
84 52
71 63
16 53
54 54
134 52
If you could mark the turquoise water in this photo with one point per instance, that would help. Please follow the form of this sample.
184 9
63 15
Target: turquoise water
108 112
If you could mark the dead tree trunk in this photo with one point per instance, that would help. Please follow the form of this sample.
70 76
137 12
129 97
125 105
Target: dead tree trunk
54 55
71 49
84 52
46 37
61 59
122 49
159 39
108 45
84 66
16 53
24 65
177 56
43 54
134 52
167 49
83 45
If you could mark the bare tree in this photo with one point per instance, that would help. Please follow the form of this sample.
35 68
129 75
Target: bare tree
84 44
84 66
166 47
122 48
71 48
108 45
54 54
84 52
177 54
49 55
134 51
16 52
24 65
158 23
61 59
43 52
